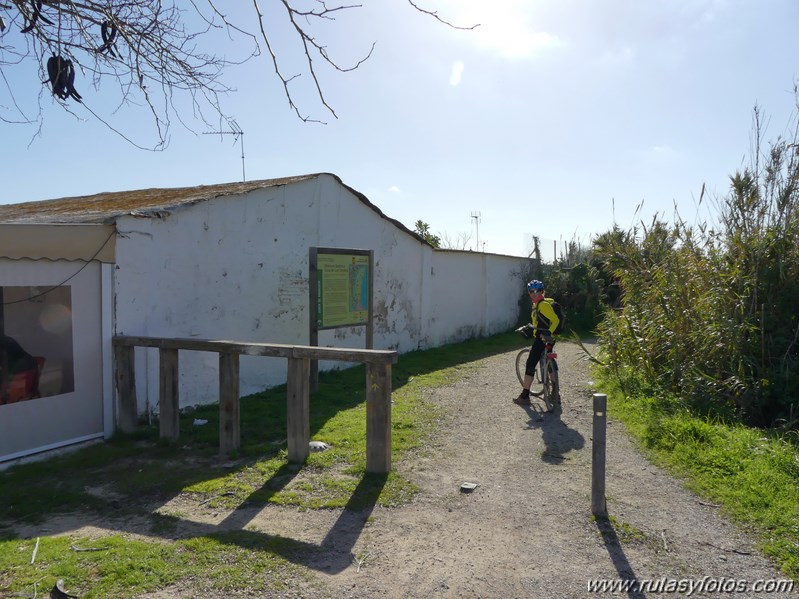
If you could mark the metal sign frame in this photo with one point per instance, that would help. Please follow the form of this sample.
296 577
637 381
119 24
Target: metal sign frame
316 285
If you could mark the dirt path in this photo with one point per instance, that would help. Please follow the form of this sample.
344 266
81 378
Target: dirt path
527 529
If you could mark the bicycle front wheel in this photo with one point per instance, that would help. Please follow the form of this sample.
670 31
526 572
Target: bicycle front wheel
521 364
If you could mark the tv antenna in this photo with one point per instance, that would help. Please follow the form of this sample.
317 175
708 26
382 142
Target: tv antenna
237 133
476 217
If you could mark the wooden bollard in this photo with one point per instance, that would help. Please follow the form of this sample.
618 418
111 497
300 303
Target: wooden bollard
297 410
598 504
378 418
169 399
125 370
229 409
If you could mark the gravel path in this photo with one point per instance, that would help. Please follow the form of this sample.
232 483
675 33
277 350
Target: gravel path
527 529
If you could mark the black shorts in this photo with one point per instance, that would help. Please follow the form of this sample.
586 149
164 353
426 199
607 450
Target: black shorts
534 357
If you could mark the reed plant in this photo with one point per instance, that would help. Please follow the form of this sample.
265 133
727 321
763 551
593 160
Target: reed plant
710 314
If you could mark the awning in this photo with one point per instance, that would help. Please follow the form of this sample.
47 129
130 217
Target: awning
58 242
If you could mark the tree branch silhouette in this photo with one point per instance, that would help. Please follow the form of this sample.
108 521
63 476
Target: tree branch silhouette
153 52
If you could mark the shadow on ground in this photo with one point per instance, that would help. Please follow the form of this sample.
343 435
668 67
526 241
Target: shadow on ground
558 438
617 556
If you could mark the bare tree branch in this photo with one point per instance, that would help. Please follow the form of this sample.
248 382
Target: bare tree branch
459 242
152 51
434 14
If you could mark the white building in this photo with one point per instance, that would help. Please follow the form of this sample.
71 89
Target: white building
214 262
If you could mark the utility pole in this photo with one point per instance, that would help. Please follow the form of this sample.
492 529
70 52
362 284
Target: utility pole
237 133
476 217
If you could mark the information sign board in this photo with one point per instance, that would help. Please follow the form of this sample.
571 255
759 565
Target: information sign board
342 289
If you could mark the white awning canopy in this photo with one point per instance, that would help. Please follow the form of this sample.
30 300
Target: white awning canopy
84 242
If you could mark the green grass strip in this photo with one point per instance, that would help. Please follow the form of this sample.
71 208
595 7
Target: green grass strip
752 473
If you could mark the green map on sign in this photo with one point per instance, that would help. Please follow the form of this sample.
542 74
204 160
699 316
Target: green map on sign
359 287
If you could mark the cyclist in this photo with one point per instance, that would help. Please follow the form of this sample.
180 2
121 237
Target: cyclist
544 321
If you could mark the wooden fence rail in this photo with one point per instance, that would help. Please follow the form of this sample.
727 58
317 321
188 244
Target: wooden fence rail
378 390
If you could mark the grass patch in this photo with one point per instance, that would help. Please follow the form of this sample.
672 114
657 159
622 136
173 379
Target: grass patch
131 478
615 531
752 473
118 567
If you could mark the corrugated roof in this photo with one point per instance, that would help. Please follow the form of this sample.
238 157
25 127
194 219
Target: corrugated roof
106 207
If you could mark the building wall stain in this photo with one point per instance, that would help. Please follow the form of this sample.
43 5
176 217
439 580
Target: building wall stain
292 289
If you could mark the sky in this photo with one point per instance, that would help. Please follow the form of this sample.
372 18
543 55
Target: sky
552 118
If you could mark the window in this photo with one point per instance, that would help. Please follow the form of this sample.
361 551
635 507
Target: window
36 355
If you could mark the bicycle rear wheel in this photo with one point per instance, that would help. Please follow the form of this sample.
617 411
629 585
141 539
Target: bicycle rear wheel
521 363
552 392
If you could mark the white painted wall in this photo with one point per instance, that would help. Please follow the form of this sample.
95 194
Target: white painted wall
473 295
237 268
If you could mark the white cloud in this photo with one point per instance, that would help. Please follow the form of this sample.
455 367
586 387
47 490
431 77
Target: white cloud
394 189
660 156
457 73
514 39
505 27
617 57
664 151
712 9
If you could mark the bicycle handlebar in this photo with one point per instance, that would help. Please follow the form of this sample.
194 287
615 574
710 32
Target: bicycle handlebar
526 331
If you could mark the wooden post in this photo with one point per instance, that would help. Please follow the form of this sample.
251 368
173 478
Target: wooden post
297 409
169 409
229 412
598 503
127 410
378 418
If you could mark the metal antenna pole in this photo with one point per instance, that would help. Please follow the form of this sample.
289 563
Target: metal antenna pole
237 133
243 175
476 217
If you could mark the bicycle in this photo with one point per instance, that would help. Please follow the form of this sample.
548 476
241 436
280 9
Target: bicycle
546 374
